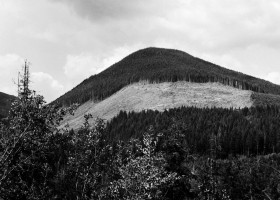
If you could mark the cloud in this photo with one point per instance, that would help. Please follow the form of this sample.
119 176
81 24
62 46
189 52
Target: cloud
273 77
79 67
44 84
10 65
45 35
225 60
213 24
113 9
82 66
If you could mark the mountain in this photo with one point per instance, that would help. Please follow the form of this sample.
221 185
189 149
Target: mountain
160 65
147 79
5 104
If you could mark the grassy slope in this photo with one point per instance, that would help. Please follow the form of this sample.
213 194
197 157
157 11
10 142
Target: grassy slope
141 96
159 65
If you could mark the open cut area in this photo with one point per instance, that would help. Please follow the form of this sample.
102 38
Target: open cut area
143 96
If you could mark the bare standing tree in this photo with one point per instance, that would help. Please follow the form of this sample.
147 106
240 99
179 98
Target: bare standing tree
23 82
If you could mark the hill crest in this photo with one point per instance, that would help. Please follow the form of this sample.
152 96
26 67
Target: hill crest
160 65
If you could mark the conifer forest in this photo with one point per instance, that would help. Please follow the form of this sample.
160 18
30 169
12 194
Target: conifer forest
181 153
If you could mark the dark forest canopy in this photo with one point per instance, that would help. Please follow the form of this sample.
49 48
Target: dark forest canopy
160 65
5 104
248 131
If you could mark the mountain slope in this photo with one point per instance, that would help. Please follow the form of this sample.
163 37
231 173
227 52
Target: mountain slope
160 65
159 79
143 96
5 104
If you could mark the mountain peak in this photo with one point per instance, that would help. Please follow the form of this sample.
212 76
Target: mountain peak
158 65
156 51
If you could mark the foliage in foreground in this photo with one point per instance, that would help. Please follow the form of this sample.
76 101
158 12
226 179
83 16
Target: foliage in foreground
38 161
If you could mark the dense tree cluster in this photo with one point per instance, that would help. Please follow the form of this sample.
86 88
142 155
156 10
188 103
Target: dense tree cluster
160 65
248 131
261 99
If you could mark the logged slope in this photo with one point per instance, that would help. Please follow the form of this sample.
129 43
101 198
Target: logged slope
5 104
143 96
160 65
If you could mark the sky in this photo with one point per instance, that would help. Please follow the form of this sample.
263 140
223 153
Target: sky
67 41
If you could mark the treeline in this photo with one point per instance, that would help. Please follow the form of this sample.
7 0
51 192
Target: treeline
253 131
160 65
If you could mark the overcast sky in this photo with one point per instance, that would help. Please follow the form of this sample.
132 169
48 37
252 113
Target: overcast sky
66 41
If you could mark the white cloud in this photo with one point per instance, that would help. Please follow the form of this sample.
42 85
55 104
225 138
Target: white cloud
82 66
46 35
208 24
10 65
273 77
44 84
79 67
224 60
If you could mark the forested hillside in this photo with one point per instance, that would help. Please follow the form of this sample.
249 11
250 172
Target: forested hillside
5 104
183 153
160 65
248 131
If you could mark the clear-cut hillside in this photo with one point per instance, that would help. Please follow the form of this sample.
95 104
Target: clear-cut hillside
161 96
